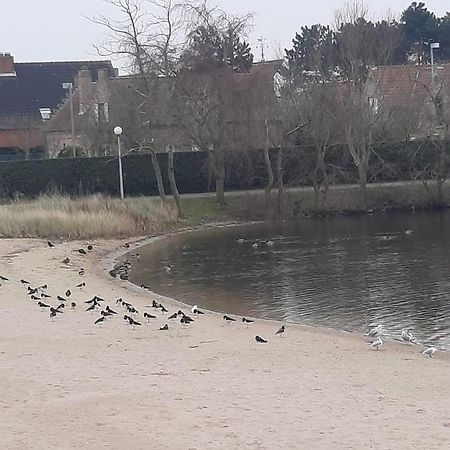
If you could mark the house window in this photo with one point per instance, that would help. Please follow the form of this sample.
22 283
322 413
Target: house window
373 104
102 111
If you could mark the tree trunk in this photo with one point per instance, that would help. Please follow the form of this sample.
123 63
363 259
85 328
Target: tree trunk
158 175
172 182
280 180
269 185
218 167
362 175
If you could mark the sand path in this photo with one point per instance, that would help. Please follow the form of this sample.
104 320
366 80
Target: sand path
67 384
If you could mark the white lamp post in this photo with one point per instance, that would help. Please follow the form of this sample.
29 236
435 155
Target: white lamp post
433 45
72 122
118 132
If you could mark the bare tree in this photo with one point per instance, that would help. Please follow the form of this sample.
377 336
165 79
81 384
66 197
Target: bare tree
149 40
361 47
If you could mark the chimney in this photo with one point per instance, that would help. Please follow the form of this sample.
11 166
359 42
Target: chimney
7 65
84 85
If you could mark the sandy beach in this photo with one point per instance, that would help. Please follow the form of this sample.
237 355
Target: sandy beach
69 384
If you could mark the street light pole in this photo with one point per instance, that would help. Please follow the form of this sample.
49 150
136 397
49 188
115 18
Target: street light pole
118 132
72 120
433 45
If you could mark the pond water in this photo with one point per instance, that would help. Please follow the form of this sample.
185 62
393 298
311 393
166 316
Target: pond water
343 272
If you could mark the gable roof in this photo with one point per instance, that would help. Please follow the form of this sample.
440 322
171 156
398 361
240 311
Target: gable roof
39 85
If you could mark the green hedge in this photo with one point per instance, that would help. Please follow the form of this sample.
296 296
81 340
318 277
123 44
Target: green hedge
244 171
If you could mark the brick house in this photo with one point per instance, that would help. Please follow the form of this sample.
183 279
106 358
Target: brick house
107 101
29 94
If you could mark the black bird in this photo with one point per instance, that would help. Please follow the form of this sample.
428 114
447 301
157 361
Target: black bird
68 293
81 272
260 339
61 299
126 245
90 247
108 309
43 295
180 313
105 313
165 327
133 322
52 314
92 300
82 251
66 261
61 306
155 304
186 320
149 316
31 291
247 320
73 305
99 299
280 331
143 286
50 244
33 297
125 317
99 320
44 286
3 278
228 318
119 301
195 310
163 310
55 310
43 305
92 307
81 285
24 281
173 316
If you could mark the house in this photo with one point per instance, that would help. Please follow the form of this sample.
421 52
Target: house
29 94
105 101
417 99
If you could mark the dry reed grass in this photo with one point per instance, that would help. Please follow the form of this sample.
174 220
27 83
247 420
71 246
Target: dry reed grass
87 217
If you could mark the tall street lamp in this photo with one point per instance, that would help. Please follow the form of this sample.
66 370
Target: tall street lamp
433 46
72 121
118 132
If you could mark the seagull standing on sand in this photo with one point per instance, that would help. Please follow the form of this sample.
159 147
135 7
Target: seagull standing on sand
377 343
430 351
407 336
260 339
281 331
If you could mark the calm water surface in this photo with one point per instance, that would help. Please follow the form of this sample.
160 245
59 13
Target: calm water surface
341 273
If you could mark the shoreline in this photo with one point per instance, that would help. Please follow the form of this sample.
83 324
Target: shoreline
209 385
119 254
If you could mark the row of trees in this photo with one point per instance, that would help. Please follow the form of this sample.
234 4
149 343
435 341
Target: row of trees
186 57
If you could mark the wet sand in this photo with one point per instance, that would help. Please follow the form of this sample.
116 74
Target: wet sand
68 384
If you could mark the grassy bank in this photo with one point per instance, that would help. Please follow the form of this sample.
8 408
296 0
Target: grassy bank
104 217
87 217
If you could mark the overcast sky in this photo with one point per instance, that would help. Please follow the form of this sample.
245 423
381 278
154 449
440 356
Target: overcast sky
57 30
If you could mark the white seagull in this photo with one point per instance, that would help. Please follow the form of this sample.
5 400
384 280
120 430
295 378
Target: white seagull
407 336
408 232
167 269
374 331
240 241
377 343
270 243
255 245
430 351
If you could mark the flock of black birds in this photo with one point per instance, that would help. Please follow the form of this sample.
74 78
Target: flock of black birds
40 295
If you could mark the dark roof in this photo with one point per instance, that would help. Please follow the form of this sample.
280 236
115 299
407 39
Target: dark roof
39 85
